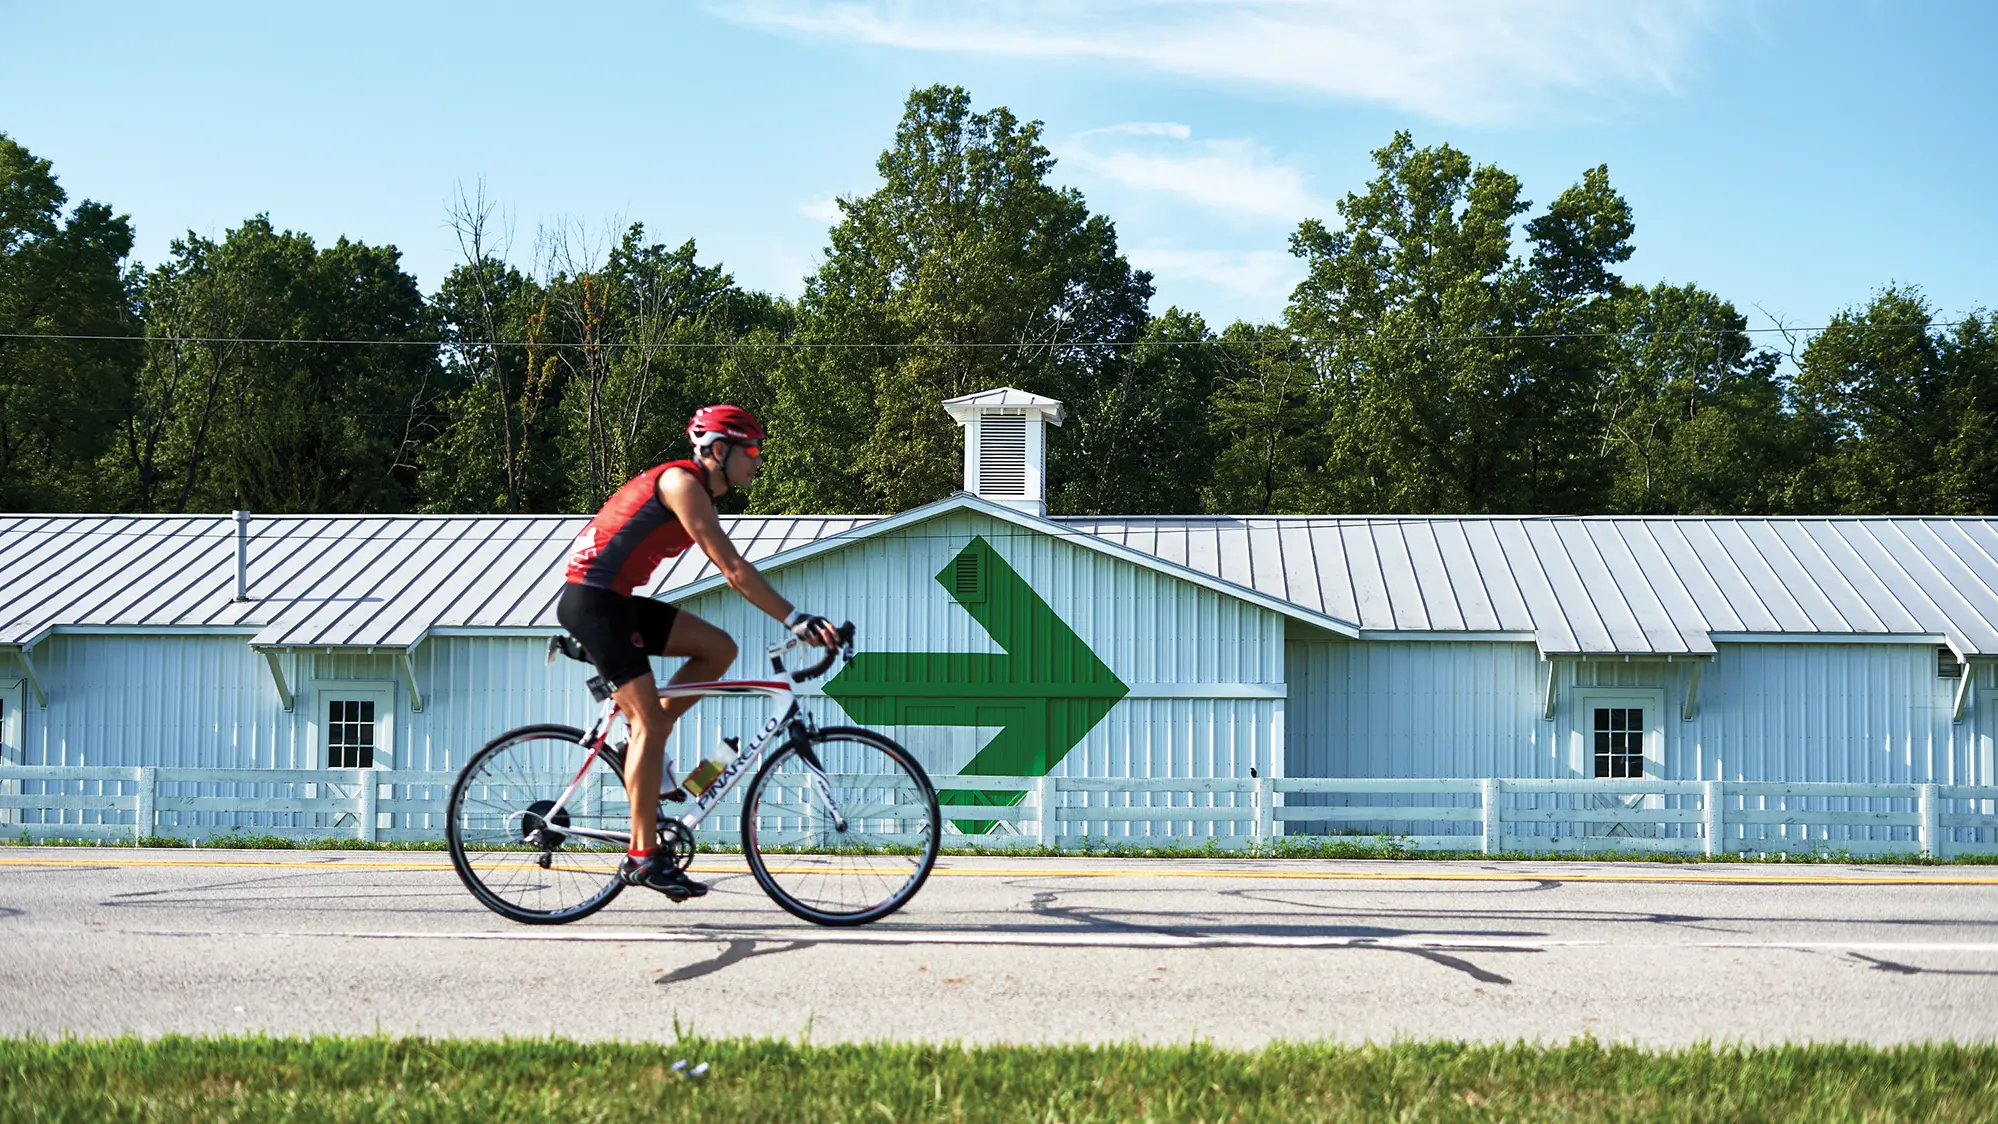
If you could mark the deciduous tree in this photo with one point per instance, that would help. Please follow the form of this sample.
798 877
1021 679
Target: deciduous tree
280 377
1691 412
1899 410
62 288
964 271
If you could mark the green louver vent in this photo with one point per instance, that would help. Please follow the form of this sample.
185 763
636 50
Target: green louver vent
967 576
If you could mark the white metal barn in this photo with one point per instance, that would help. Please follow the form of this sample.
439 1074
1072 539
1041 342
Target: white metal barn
1506 682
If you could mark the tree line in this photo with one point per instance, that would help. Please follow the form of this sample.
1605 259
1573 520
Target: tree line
1451 349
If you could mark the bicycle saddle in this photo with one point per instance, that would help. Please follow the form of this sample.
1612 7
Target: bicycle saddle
568 646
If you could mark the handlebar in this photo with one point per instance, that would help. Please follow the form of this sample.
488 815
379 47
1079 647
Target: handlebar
845 650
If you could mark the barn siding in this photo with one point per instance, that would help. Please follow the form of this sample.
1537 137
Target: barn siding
1153 630
1864 713
1374 708
1764 712
180 701
193 702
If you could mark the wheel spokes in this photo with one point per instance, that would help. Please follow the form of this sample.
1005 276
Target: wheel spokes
538 823
871 851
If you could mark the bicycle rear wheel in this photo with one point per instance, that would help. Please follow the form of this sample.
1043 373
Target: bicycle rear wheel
858 859
515 850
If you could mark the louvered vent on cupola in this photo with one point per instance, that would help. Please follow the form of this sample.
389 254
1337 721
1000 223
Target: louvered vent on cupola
1005 445
1002 456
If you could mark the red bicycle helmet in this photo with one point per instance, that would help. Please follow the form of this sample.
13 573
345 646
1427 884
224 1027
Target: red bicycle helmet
723 423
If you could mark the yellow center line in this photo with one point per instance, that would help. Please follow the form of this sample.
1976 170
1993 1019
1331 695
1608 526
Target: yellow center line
344 865
320 864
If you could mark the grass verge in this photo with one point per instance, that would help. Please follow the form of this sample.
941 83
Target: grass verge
253 1079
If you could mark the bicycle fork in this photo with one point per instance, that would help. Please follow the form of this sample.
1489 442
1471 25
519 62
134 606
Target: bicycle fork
821 784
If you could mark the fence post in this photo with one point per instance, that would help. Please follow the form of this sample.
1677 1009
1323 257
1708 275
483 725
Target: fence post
1044 793
1713 809
149 798
371 794
1928 803
1494 809
1263 795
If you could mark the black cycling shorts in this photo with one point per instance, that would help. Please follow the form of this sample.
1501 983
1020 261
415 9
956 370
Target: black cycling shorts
618 632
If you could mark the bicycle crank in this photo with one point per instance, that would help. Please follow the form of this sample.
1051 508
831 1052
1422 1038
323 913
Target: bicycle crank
674 835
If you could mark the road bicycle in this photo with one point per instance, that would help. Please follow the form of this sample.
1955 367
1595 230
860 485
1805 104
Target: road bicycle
839 824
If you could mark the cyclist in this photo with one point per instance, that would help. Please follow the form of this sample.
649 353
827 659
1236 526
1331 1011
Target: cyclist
658 515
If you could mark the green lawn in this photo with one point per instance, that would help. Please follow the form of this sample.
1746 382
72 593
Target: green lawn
493 1082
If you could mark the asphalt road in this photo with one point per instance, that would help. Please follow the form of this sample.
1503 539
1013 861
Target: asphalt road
1025 950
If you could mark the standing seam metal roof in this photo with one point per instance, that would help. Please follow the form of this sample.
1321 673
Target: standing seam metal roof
1575 585
1611 584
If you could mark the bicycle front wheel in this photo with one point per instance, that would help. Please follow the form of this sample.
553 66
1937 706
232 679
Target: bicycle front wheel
538 825
841 829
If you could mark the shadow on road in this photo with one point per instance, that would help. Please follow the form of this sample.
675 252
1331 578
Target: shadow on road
1047 903
736 952
1900 969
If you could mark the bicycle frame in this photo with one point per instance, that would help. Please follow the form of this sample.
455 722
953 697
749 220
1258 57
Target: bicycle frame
785 714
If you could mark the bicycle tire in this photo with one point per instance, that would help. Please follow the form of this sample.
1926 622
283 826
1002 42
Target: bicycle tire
516 882
879 775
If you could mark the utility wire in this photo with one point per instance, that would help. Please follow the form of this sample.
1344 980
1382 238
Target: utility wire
808 345
266 537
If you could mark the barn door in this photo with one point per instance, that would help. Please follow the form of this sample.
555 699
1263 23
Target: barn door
1619 734
352 726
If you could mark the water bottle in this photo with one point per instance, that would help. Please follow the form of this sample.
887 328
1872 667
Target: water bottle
712 763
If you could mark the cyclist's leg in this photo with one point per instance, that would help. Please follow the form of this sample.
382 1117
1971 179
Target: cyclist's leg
639 702
708 651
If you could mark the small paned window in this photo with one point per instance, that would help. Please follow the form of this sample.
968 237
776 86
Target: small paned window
350 734
1619 735
1947 665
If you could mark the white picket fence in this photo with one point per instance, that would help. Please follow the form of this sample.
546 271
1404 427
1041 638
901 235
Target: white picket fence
1463 814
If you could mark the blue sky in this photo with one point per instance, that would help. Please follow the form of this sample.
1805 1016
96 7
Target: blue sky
1790 155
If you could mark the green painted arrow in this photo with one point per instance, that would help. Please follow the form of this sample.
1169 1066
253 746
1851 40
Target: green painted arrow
1046 692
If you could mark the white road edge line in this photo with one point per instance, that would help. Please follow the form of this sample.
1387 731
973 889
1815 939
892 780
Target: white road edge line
1078 940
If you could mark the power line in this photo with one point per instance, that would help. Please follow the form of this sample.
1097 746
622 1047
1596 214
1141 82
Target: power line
1026 345
263 536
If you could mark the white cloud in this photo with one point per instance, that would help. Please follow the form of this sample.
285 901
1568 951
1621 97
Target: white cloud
1455 60
1171 129
1265 277
1237 176
821 210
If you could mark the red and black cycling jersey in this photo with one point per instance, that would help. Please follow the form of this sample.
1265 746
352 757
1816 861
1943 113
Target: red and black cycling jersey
631 535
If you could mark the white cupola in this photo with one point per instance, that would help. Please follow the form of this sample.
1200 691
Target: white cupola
1005 445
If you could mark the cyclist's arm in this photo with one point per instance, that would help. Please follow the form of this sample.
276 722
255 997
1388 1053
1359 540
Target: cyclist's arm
689 501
